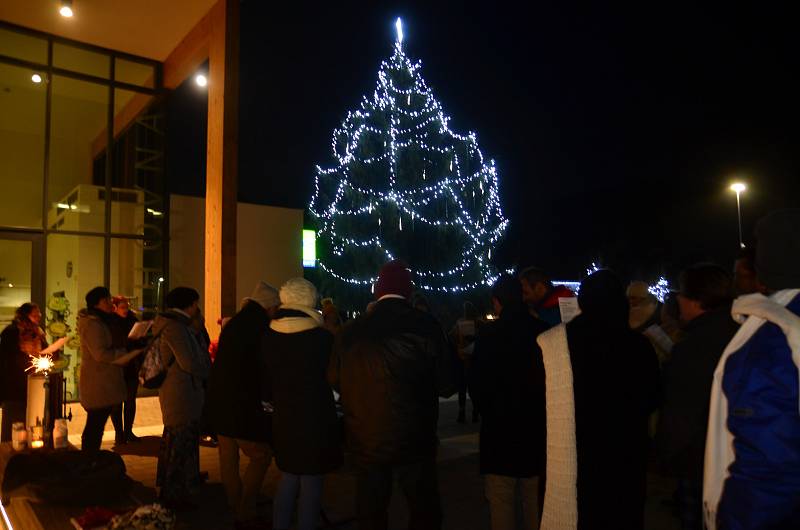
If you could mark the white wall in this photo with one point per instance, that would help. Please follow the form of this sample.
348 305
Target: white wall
269 245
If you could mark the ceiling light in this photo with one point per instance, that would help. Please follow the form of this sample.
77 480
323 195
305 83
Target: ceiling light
201 80
66 8
36 78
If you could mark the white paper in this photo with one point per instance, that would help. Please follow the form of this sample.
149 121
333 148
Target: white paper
140 329
569 308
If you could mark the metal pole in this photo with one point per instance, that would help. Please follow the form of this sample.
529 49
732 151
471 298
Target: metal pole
739 212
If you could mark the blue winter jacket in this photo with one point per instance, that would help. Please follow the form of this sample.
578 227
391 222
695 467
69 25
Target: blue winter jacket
761 384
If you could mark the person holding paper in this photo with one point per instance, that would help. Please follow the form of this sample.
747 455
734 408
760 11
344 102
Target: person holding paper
122 325
102 383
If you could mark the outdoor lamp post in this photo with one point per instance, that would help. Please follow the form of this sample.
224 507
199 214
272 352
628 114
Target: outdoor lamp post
738 188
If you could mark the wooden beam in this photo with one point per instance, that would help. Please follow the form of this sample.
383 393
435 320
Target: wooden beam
222 163
190 53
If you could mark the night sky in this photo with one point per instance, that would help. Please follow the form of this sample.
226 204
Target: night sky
616 131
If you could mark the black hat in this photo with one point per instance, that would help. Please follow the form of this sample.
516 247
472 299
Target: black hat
778 250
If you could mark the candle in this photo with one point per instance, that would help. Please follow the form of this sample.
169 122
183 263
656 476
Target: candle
37 444
19 436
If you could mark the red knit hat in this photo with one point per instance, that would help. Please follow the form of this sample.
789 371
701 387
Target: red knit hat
394 278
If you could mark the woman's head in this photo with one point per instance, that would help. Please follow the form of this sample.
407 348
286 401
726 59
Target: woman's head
28 312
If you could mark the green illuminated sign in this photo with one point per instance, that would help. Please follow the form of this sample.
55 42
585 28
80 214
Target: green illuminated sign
309 248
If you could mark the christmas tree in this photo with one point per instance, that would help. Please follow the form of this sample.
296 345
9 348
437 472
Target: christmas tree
404 185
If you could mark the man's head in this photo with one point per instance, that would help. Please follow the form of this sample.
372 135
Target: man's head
778 250
121 305
506 292
639 294
703 287
394 278
184 298
745 280
535 284
100 298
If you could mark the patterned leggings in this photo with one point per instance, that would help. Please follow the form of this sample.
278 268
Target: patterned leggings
178 461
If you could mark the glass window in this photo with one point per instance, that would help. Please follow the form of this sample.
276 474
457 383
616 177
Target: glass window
74 266
138 194
15 277
23 46
134 73
81 60
22 124
78 138
136 266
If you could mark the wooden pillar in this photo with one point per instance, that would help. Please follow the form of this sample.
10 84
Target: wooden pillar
222 163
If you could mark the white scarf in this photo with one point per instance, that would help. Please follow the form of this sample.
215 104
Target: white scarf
297 324
754 310
561 496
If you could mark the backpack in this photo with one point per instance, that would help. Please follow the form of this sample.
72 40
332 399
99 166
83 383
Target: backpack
153 372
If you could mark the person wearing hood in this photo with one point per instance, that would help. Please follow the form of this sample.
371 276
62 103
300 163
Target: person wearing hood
752 460
181 397
601 384
233 401
507 385
102 383
390 366
541 296
306 432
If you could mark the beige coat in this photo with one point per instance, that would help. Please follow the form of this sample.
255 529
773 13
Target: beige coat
182 393
102 383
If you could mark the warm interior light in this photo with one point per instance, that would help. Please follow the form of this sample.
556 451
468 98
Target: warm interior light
66 8
738 187
201 80
36 78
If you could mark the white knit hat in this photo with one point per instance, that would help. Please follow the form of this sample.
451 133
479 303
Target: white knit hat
299 292
265 295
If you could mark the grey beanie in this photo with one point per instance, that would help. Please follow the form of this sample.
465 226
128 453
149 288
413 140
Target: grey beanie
778 250
264 294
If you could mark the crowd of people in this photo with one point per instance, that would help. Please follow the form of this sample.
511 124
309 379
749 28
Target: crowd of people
572 414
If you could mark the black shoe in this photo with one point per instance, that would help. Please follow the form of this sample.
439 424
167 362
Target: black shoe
119 439
132 438
462 418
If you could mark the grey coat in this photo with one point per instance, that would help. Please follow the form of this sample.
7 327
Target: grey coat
182 393
101 383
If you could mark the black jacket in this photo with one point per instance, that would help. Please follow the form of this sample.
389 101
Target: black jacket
616 386
507 386
681 436
235 387
306 431
391 366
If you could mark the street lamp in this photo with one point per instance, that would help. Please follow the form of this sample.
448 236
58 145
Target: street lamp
738 188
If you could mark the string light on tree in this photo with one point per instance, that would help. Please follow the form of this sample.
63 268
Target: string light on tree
660 289
404 185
